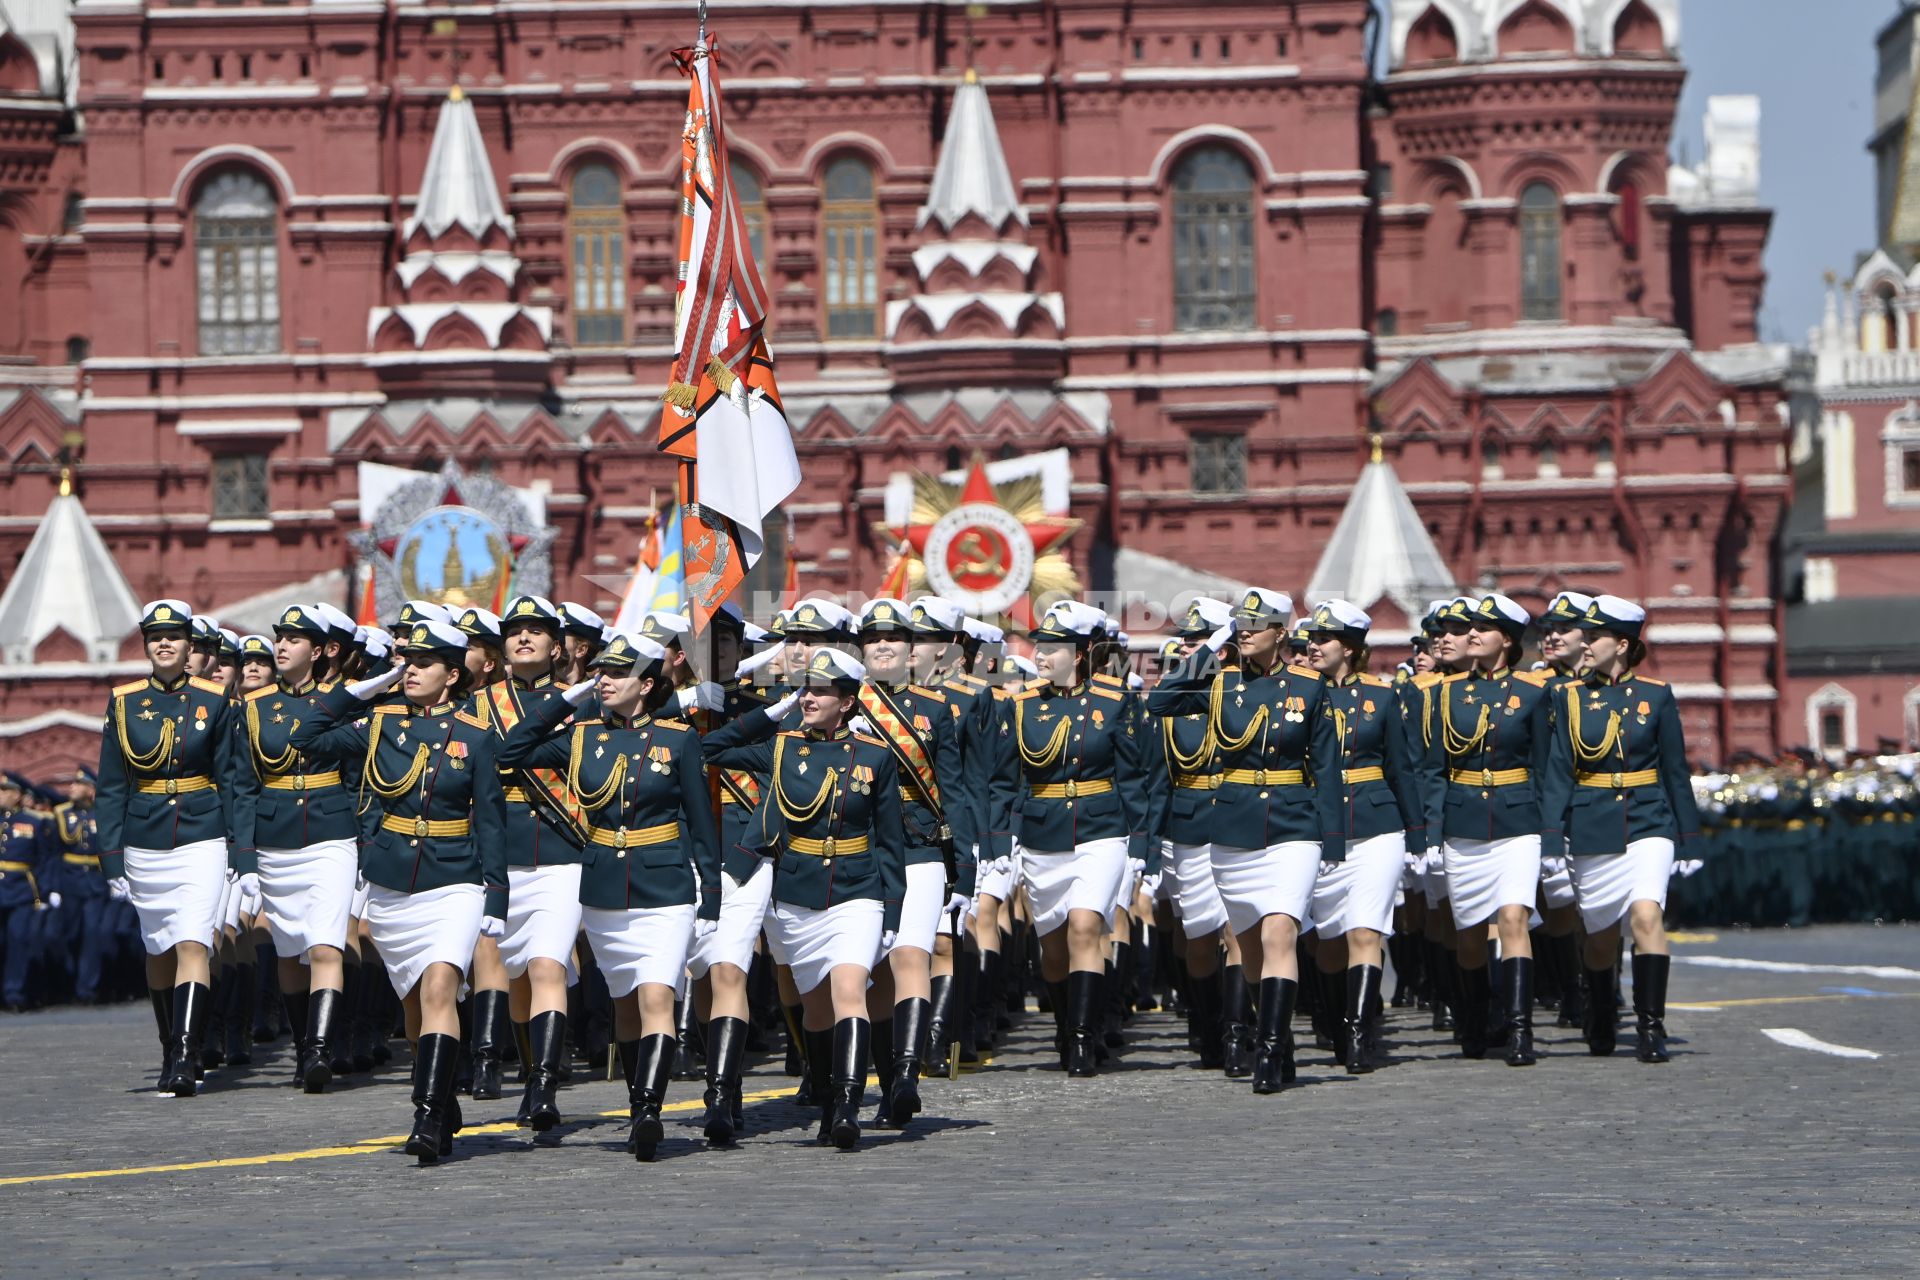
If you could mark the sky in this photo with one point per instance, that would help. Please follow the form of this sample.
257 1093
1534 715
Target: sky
1812 63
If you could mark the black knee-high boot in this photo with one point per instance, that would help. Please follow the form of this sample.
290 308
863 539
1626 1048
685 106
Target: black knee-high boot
1471 1016
820 1073
1083 1021
317 1051
1443 985
1203 1021
1363 990
1113 1014
1056 1004
241 988
883 1068
547 1037
910 1031
687 1056
162 998
852 1045
298 1019
1332 992
1517 984
940 1027
436 1058
358 1035
726 1059
1601 1025
1650 1006
796 1065
648 1093
490 1023
1236 1036
989 970
629 1054
267 1008
1269 1046
1573 996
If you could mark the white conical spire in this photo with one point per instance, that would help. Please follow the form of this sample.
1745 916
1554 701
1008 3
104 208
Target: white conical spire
67 581
1380 549
972 176
458 187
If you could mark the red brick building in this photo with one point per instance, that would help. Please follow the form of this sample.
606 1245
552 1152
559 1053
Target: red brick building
1204 249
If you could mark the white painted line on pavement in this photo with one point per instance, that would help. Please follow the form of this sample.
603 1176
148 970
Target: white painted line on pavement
1780 966
1794 1038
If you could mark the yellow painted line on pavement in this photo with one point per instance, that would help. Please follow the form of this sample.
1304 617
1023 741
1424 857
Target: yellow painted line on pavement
1692 939
363 1147
1729 1004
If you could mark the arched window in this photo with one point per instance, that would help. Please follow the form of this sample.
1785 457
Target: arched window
1539 253
1629 220
753 211
597 233
72 214
1212 241
1491 467
237 265
850 230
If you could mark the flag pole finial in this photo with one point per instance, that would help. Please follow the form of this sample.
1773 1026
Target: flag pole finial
702 43
1378 453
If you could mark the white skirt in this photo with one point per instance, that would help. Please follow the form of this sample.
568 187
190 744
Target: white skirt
1189 868
1257 883
1085 878
1361 892
648 945
1485 875
813 943
177 893
1556 880
360 891
307 895
1608 883
543 918
414 930
920 909
743 910
1433 878
995 881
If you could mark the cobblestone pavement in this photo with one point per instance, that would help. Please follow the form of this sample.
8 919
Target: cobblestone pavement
1746 1157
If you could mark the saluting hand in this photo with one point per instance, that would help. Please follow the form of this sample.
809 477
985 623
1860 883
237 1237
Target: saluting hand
370 688
577 694
781 707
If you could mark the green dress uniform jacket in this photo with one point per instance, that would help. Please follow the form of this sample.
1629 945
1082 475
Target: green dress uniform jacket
1488 773
1189 774
642 786
1079 757
533 839
1621 759
294 801
429 791
831 814
739 790
168 759
77 830
1380 789
29 858
992 790
922 730
1277 753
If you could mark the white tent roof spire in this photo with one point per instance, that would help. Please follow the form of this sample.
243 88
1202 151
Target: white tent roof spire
1380 550
972 176
67 581
458 187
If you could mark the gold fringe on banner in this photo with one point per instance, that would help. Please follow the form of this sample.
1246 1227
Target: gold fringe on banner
721 376
681 396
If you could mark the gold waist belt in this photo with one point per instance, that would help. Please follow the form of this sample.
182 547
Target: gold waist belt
831 847
624 838
173 786
1266 777
80 859
422 827
1638 778
301 781
1196 781
1071 790
1487 777
1370 773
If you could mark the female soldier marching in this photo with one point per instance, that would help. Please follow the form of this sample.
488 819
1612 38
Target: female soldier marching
1277 811
832 818
308 846
166 805
433 848
653 856
1619 765
1084 817
1353 900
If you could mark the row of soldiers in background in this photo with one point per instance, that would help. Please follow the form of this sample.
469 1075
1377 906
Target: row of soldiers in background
1798 840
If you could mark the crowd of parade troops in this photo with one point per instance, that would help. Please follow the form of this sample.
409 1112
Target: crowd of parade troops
526 843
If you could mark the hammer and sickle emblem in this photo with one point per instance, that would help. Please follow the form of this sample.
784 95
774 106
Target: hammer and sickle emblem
977 555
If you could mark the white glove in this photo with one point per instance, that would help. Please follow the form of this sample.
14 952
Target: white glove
887 939
704 929
247 886
493 927
1150 885
705 696
54 900
781 707
748 666
860 724
956 902
1136 867
119 888
1218 640
368 689
577 694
